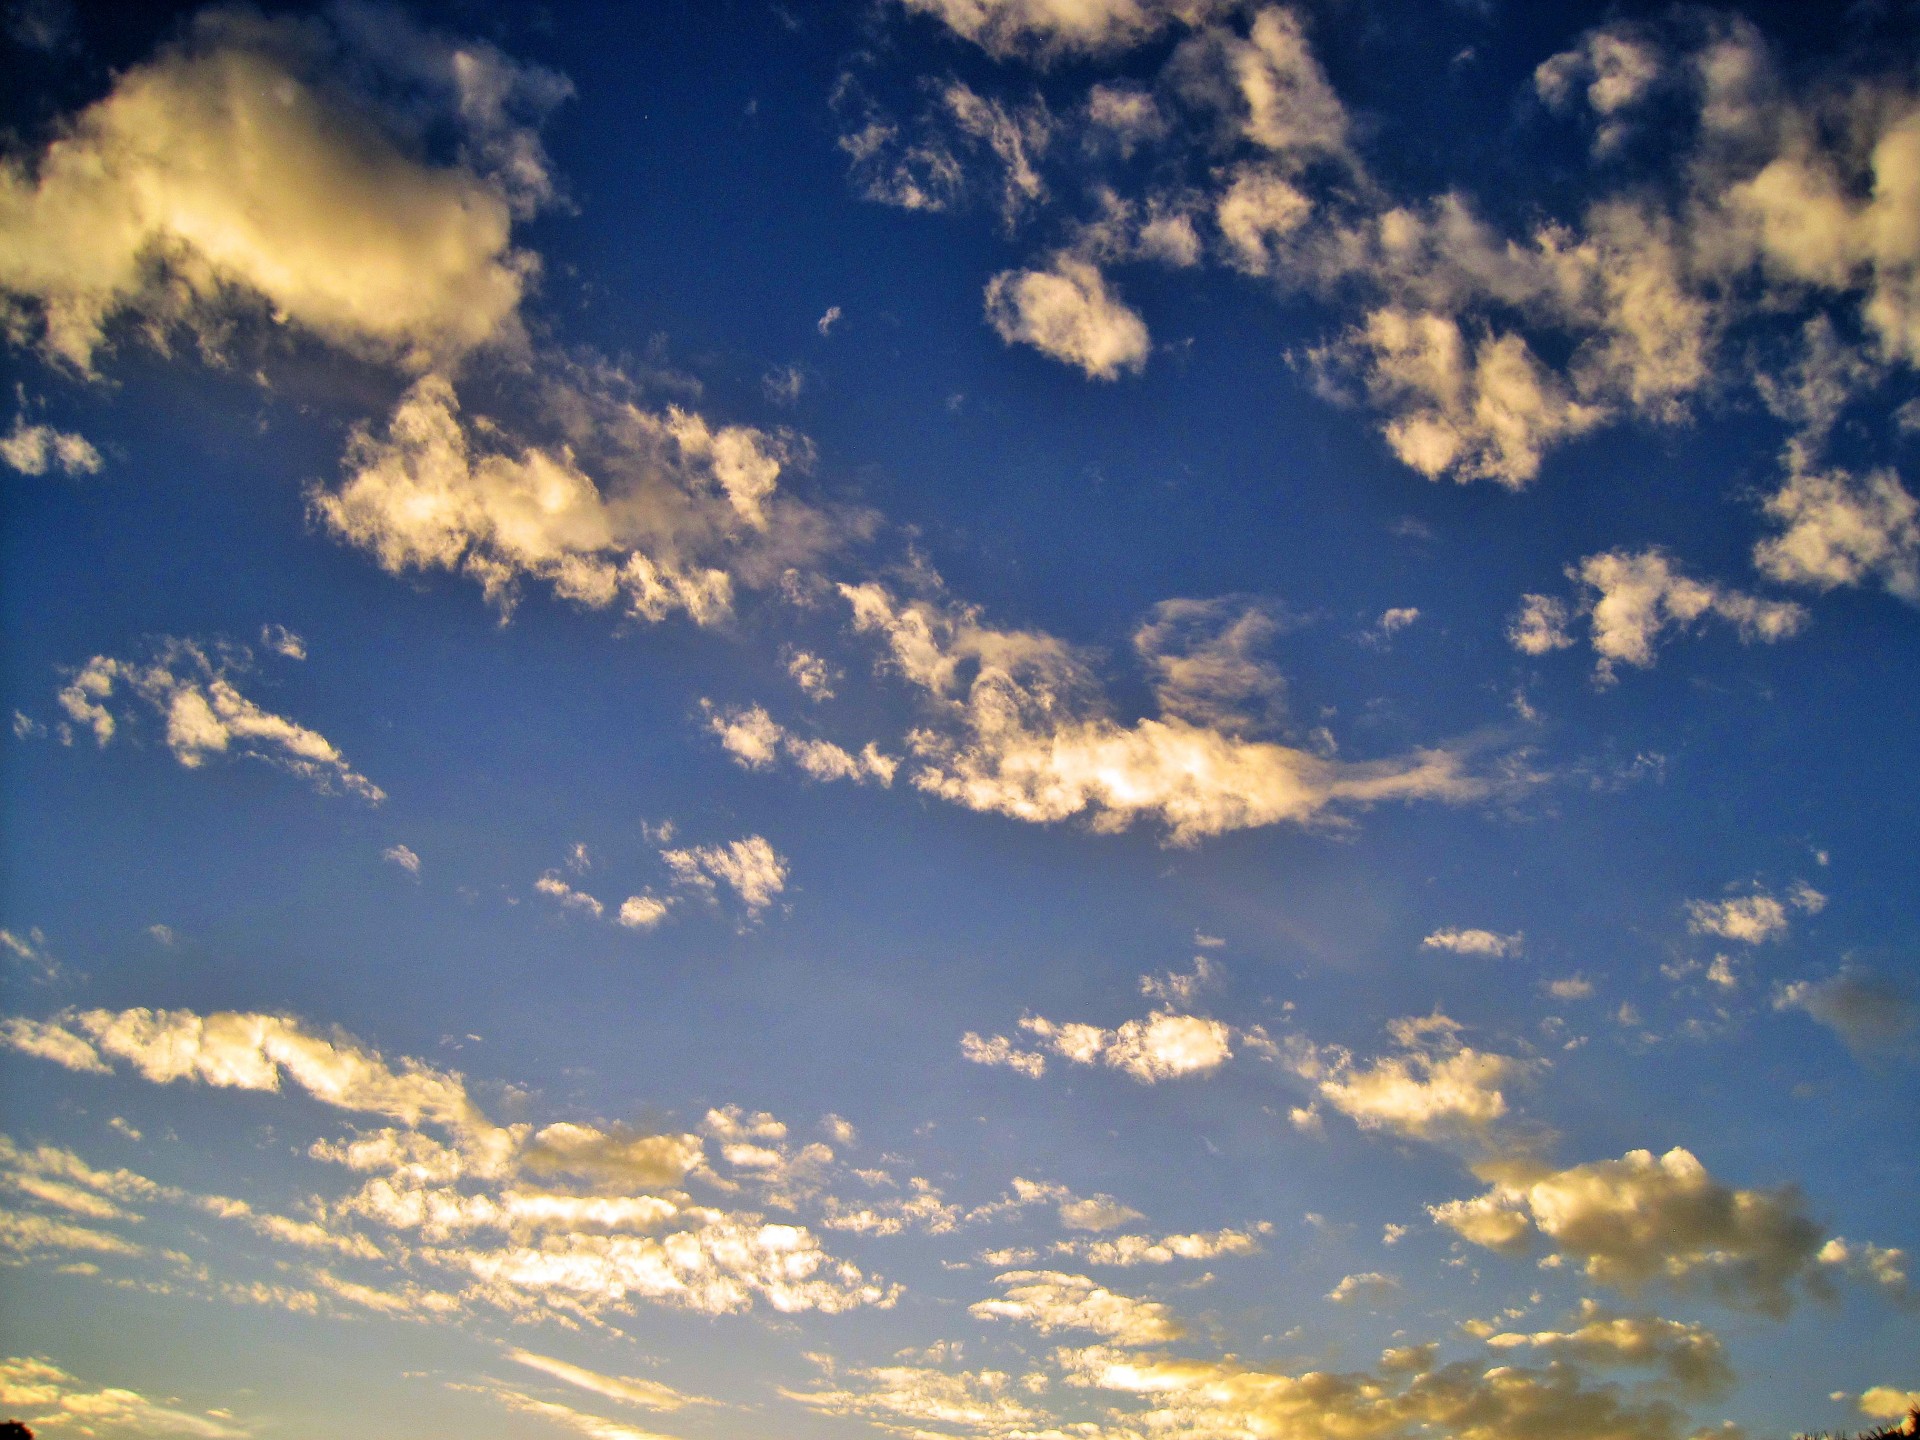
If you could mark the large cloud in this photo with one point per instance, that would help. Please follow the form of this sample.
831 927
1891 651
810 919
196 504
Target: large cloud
237 167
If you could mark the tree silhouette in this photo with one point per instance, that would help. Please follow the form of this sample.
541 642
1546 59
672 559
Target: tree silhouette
14 1430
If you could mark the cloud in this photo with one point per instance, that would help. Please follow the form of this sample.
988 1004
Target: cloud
1202 656
1436 1088
1870 1014
813 675
750 867
755 740
35 449
906 1398
1268 88
1888 1402
43 1394
1475 942
283 642
247 167
1631 601
1690 1354
1371 1286
1645 1219
1843 530
1020 729
191 686
1067 312
1614 66
555 886
1044 30
658 510
403 856
594 1427
647 1394
1050 1301
1752 919
571 1220
1165 1045
643 912
828 320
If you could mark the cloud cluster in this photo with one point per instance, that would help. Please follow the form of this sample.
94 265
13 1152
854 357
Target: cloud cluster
750 867
756 741
334 223
1051 1300
1020 728
1645 1219
1436 1087
567 1220
36 449
660 511
1753 919
42 1394
1633 600
191 687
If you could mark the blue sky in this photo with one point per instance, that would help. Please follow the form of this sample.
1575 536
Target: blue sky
965 718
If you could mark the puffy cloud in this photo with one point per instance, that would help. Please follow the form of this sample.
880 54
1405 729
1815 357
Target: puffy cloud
659 510
1888 1402
241 167
1690 1354
1044 30
1752 919
1163 1046
43 1394
192 688
1021 731
1842 529
1615 66
1475 942
1884 1266
1051 1300
643 912
1435 1088
1066 311
756 740
750 867
1645 1218
1632 600
812 674
1369 1286
35 449
1871 1014
1480 410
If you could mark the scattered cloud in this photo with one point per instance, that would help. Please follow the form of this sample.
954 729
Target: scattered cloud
402 856
191 686
750 867
1437 1086
42 1394
1752 919
36 449
756 740
1050 1301
1489 943
1067 312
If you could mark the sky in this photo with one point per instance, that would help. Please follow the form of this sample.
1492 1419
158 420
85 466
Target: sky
984 719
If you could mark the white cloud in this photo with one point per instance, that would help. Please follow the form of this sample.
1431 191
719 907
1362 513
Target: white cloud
1540 625
1043 30
750 867
659 510
1067 312
240 169
1204 662
1268 88
1644 1219
1020 729
629 1390
1888 1402
35 449
43 1394
1752 919
999 1050
1618 68
1690 1354
1841 529
1129 1250
755 739
283 642
1871 1014
906 1398
643 912
1489 943
1370 1286
191 687
553 885
403 856
1163 1046
827 321
1051 1300
814 676
1435 1088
